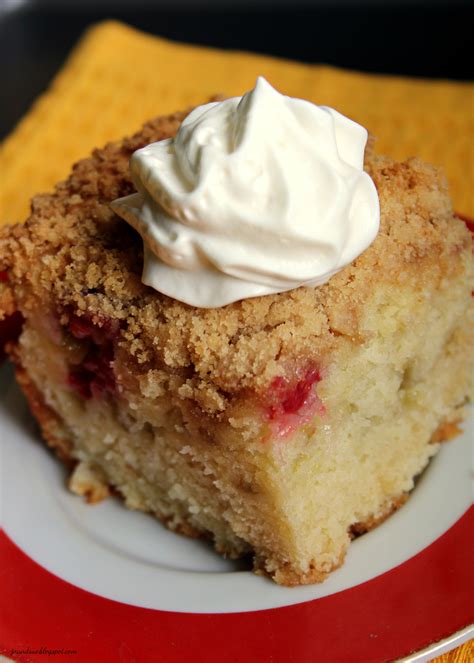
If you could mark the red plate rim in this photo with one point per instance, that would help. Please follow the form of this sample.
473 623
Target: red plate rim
422 601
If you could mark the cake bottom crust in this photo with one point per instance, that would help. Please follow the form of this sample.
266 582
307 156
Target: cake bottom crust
286 575
48 420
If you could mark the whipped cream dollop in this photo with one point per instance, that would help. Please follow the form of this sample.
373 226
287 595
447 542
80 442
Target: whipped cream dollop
255 195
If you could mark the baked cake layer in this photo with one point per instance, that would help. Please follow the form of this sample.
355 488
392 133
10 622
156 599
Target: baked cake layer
279 425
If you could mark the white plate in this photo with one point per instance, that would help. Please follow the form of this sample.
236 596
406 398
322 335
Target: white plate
129 557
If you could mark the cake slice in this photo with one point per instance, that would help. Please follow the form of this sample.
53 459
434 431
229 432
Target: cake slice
279 426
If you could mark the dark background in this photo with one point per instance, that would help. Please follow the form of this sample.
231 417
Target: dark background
430 39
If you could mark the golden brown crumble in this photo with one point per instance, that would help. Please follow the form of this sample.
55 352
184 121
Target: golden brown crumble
74 251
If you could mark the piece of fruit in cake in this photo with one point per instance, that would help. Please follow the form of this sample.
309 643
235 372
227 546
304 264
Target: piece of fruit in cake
292 401
93 375
11 323
10 329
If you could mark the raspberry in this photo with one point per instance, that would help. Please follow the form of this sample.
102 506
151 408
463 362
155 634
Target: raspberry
292 401
10 329
94 375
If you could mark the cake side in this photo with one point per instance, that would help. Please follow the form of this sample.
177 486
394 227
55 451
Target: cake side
278 425
293 502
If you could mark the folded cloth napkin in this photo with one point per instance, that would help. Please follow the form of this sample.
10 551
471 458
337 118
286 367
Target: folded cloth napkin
118 77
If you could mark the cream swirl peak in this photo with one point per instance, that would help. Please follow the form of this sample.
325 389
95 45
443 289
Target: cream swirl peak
255 195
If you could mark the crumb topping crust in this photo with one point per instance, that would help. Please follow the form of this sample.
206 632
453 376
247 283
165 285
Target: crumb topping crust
75 251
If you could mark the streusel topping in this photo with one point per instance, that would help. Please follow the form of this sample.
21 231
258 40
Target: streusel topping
74 246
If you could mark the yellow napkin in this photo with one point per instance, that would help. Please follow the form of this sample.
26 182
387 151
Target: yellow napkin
463 654
118 77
